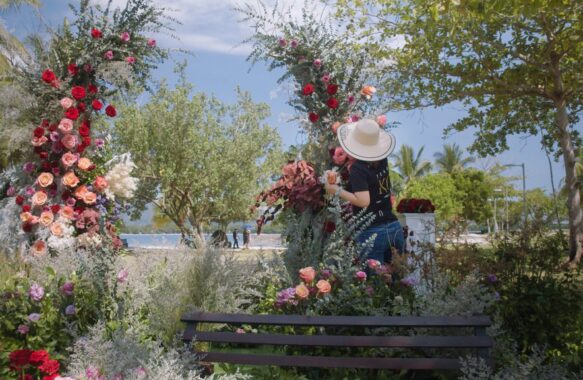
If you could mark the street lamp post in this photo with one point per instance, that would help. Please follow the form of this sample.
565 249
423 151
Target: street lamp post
523 187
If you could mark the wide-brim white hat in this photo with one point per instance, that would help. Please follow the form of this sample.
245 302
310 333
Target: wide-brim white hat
365 140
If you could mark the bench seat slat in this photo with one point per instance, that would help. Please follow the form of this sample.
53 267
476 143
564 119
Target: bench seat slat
348 341
346 321
332 362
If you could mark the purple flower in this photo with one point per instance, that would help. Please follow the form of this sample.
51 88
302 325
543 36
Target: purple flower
36 292
29 191
56 148
370 291
492 279
99 143
317 63
34 317
294 44
68 288
91 372
351 99
282 42
11 191
286 297
54 136
409 281
22 329
108 55
496 296
56 171
70 310
122 276
326 273
28 167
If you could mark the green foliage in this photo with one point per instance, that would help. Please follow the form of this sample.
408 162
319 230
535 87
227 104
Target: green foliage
199 160
451 159
475 191
408 165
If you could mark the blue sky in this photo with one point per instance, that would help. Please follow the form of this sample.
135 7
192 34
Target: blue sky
210 30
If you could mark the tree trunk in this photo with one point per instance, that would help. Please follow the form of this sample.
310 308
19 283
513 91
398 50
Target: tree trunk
574 196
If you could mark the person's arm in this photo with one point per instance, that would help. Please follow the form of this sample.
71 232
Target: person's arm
359 198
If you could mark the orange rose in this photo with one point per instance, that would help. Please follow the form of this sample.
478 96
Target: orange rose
25 217
45 179
39 198
323 286
302 291
57 229
39 248
46 218
307 274
90 198
70 179
368 91
68 159
84 163
66 125
81 191
38 141
100 184
68 212
335 126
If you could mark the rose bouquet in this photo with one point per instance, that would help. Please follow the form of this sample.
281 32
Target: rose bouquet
416 206
33 365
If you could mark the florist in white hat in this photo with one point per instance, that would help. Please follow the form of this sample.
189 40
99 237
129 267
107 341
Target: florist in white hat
369 188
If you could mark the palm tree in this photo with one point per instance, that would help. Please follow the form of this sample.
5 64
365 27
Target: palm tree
409 165
451 159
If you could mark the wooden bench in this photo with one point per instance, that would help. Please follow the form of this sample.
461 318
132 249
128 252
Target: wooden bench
479 343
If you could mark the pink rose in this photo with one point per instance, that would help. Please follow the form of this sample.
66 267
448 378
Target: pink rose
84 163
317 63
67 103
373 264
360 276
125 37
131 60
46 218
151 42
324 287
122 276
108 55
39 198
340 156
100 184
66 125
307 274
68 159
382 120
302 292
45 179
69 141
326 78
70 179
39 141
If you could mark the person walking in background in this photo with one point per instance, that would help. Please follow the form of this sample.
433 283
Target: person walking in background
246 237
235 240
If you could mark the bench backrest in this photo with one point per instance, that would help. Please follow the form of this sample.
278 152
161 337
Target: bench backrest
478 341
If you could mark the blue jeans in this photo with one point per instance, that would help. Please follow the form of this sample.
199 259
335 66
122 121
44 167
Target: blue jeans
388 236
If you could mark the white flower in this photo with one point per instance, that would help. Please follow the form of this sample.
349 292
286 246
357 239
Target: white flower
88 241
120 182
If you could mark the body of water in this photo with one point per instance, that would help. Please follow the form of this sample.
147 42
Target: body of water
160 241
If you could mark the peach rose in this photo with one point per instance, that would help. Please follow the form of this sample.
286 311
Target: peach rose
70 179
45 179
68 212
335 126
307 274
39 248
100 184
46 218
90 198
302 292
69 141
57 229
67 103
323 286
84 163
39 198
81 191
38 141
382 120
66 125
368 91
68 159
25 217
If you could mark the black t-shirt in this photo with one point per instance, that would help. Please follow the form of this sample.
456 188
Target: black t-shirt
374 178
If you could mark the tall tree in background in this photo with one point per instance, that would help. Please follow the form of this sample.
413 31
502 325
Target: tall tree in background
452 159
198 160
507 61
409 165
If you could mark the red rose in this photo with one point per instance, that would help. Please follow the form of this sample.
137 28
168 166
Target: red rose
55 208
37 149
86 140
96 33
81 107
39 132
19 200
26 227
78 92
19 358
81 148
44 123
26 208
72 113
333 103
51 377
43 155
110 111
46 166
72 69
308 89
53 127
97 105
313 117
28 377
39 357
48 76
84 130
92 89
332 89
329 226
50 367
